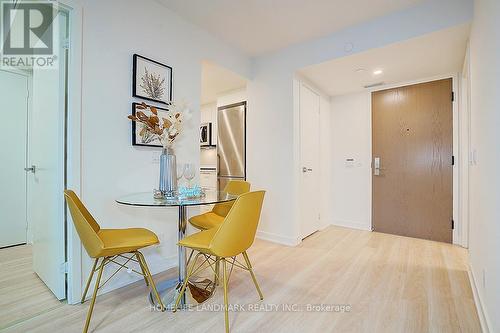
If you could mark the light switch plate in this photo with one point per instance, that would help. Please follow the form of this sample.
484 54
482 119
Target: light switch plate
349 162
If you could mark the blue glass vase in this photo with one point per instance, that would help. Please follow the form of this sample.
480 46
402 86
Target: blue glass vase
168 173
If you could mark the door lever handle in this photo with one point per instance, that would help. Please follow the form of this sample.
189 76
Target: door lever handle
304 169
32 169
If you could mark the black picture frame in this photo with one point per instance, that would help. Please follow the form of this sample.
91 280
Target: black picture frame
134 127
135 93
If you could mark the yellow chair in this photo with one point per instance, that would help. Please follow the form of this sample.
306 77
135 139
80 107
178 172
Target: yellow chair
234 236
214 218
108 245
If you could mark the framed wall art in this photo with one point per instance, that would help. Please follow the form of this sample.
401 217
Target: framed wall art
141 136
151 80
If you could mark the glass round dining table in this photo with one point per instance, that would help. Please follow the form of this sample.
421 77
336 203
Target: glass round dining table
199 290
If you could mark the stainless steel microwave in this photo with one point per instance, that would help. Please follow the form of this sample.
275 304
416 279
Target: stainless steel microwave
206 134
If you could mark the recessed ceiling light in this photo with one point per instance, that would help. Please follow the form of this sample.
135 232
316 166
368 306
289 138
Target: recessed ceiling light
377 72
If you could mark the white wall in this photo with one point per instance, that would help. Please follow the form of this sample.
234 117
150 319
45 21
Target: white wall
273 154
232 97
351 181
464 152
112 31
484 237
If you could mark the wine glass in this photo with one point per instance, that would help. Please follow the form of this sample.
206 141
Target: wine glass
180 172
189 172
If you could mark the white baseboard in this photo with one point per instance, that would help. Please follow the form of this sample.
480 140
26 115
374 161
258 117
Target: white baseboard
352 224
275 238
482 314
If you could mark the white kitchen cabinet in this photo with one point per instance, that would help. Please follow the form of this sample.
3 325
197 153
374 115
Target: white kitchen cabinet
208 180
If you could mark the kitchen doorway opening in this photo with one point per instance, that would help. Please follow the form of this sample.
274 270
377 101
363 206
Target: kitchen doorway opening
223 124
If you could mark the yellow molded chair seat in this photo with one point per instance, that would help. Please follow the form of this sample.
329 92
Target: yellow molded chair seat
117 241
206 221
222 244
200 241
214 218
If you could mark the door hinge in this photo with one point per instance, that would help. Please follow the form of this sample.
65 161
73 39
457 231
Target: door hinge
452 224
453 160
453 96
64 268
319 216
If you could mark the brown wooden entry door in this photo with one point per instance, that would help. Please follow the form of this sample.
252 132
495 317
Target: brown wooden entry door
412 161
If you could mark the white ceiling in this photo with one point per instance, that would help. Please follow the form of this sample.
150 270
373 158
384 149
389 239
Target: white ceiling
261 26
216 80
438 53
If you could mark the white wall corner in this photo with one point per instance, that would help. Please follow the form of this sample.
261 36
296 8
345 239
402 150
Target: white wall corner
480 307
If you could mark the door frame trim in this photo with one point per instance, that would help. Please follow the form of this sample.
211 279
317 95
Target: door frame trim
305 85
74 279
458 182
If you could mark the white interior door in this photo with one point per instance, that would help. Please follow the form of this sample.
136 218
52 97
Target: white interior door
46 185
14 111
309 106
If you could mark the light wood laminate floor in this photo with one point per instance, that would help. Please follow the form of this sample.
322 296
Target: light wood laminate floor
22 294
391 283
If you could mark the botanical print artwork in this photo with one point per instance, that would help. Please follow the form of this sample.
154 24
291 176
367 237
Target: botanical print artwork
157 127
143 133
152 85
152 80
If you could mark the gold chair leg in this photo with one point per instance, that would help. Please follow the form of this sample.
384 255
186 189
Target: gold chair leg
226 302
247 260
144 274
89 280
186 280
151 281
94 295
217 269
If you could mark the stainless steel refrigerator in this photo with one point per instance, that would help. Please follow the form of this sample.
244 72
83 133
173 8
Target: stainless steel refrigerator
231 143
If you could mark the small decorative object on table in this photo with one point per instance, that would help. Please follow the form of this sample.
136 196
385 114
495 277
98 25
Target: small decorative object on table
190 192
157 194
189 172
165 131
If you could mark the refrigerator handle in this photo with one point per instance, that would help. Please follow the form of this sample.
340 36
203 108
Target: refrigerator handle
218 164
